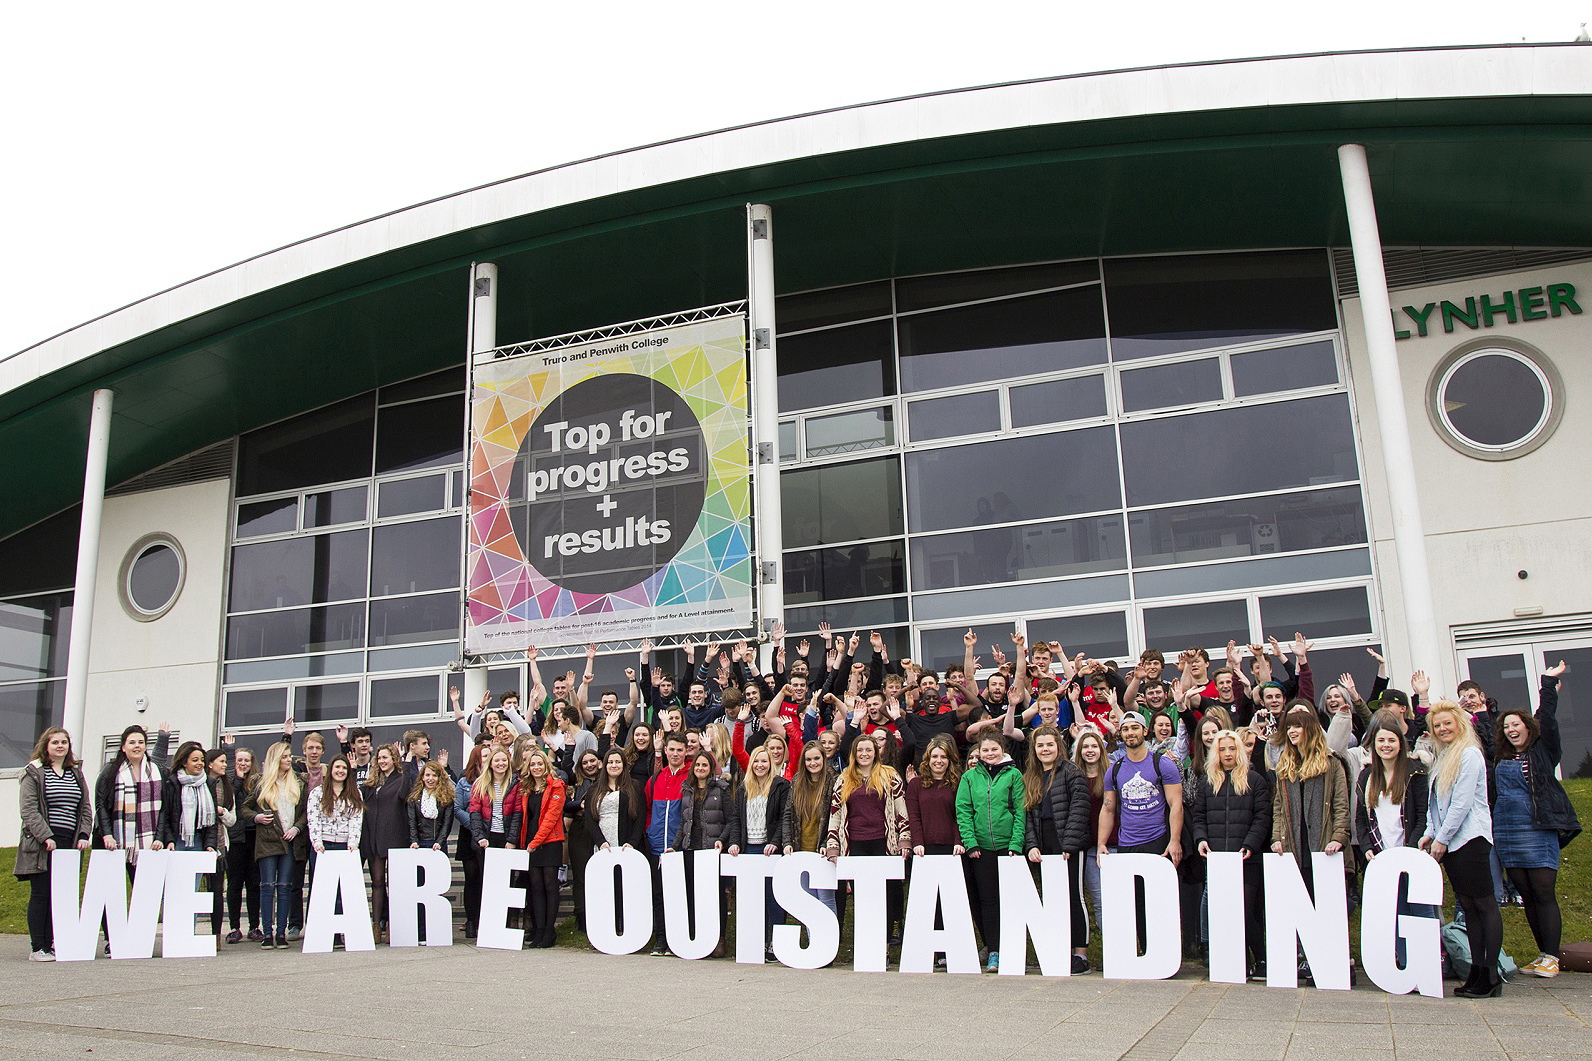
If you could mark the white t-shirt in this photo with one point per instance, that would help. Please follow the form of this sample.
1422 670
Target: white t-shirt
1390 821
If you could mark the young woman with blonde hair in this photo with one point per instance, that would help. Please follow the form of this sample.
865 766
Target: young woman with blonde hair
1231 811
1056 822
758 821
489 810
536 824
278 808
1459 835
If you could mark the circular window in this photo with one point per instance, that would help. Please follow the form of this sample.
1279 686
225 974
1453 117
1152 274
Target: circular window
152 577
1495 402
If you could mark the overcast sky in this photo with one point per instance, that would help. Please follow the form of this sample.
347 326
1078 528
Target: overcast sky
153 142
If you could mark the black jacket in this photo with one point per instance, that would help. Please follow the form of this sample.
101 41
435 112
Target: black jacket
1068 796
428 831
1550 804
778 800
105 785
386 823
1413 811
1229 821
170 822
716 812
632 827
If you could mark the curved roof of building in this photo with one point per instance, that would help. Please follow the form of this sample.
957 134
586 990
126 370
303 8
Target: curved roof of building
1468 146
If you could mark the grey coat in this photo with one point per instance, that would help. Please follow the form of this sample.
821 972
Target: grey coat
32 858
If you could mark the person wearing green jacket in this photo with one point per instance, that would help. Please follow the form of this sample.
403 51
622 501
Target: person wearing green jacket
989 813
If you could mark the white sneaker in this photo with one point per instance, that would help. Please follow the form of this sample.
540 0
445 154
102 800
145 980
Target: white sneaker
49 956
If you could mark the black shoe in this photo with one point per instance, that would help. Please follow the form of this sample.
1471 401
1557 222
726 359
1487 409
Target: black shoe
1304 973
1257 971
268 943
895 939
659 950
1080 965
469 930
1481 990
281 942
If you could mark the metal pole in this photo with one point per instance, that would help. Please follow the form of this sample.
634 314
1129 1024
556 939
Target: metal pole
1421 639
483 337
88 543
765 416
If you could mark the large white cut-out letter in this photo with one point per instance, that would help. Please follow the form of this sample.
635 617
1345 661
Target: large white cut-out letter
938 883
1320 925
676 912
823 930
870 911
1224 889
751 902
338 875
1381 923
416 877
1163 947
130 928
635 883
497 898
1025 916
184 902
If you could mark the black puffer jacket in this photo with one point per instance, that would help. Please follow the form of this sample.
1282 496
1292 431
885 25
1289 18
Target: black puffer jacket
1229 821
715 811
1068 796
1550 804
774 819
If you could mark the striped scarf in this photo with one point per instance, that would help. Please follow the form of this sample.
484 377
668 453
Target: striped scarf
137 805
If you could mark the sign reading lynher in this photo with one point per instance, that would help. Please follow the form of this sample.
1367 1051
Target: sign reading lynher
609 490
619 890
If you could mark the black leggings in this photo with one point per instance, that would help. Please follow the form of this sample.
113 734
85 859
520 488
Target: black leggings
470 859
892 889
542 895
41 918
1542 905
987 894
243 876
378 890
1470 874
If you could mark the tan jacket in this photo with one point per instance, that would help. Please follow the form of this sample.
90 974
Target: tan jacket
897 829
1335 815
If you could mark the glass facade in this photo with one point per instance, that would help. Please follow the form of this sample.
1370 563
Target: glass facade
1111 454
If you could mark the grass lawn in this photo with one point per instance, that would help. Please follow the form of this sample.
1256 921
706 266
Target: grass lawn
1575 897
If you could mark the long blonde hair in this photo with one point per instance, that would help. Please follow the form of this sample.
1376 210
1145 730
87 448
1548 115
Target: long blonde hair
879 775
1311 756
485 787
1239 778
272 783
1451 756
754 786
527 779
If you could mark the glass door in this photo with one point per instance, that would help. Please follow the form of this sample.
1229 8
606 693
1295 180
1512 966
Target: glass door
1510 674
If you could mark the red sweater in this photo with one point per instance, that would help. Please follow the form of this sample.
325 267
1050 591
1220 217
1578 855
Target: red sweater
932 814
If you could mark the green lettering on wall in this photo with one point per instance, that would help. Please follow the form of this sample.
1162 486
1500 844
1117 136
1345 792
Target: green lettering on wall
1531 300
1420 316
1562 295
1398 333
1467 316
1488 310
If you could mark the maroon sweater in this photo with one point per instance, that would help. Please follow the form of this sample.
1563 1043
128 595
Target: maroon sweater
932 814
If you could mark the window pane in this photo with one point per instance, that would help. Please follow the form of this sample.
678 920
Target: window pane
1197 301
420 435
407 620
412 557
275 670
33 637
1262 572
835 305
1253 526
850 571
1205 626
842 502
43 557
1013 479
326 703
326 446
154 579
1328 663
334 507
293 632
1167 386
959 414
414 657
1000 340
1328 613
1006 554
1284 369
404 696
1239 451
839 365
448 381
408 496
854 615
1103 636
255 707
27 710
1495 399
1021 597
941 647
309 570
787 441
268 517
921 292
848 432
1058 401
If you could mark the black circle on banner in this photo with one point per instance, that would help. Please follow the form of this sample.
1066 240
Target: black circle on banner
615 474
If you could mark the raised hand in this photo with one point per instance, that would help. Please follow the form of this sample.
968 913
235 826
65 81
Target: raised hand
646 646
531 652
856 639
1347 681
823 632
591 651
630 674
1374 654
1420 684
997 655
970 638
1554 672
1301 647
776 632
802 647
1276 647
876 640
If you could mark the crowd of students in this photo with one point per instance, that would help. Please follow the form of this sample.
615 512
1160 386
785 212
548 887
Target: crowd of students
834 753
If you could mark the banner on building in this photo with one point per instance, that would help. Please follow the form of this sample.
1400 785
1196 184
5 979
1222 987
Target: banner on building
610 489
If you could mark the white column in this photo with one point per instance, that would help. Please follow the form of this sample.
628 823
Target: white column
88 543
1421 647
770 572
483 337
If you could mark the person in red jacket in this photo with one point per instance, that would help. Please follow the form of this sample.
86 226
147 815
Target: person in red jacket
663 823
538 802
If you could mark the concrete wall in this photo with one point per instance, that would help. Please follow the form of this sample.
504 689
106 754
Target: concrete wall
1485 521
172 662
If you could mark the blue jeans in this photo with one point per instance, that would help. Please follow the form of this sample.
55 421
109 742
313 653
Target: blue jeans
1091 878
276 891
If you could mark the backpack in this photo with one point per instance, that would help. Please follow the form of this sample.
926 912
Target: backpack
1456 955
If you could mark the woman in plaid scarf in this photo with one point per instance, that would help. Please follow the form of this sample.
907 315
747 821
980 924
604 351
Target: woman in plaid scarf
127 796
